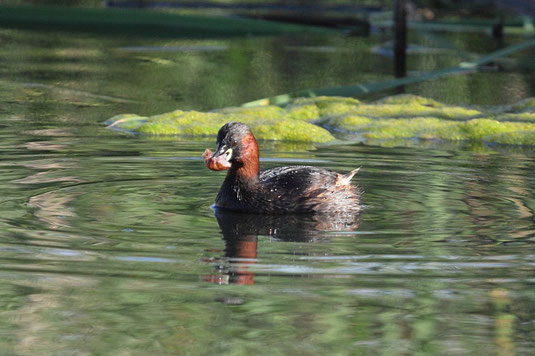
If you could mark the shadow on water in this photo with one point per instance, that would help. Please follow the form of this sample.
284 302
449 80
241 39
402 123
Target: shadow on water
241 231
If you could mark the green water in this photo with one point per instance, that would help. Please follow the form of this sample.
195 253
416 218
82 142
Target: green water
109 246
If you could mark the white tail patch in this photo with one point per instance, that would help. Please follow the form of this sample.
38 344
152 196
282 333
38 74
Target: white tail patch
345 179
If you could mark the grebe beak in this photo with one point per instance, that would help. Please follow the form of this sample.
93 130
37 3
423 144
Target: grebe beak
217 161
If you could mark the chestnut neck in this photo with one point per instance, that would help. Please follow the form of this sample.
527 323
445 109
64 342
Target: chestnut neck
247 168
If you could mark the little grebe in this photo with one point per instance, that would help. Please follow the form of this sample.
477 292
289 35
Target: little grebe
295 189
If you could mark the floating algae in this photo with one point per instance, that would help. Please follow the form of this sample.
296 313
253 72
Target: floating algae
312 109
269 123
521 116
186 123
258 112
401 117
410 106
424 128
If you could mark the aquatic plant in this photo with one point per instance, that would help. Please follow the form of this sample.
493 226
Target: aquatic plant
320 119
270 123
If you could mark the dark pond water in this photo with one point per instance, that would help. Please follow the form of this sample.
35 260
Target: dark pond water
109 246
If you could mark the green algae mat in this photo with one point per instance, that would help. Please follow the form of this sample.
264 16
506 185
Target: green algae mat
388 121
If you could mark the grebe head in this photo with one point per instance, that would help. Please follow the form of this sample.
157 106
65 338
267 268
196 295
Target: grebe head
235 145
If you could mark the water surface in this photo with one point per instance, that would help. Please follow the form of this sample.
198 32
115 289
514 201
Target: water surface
109 245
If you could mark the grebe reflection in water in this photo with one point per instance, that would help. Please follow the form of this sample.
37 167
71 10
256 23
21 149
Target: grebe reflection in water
241 233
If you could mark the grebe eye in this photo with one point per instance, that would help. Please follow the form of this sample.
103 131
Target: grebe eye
234 143
228 154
